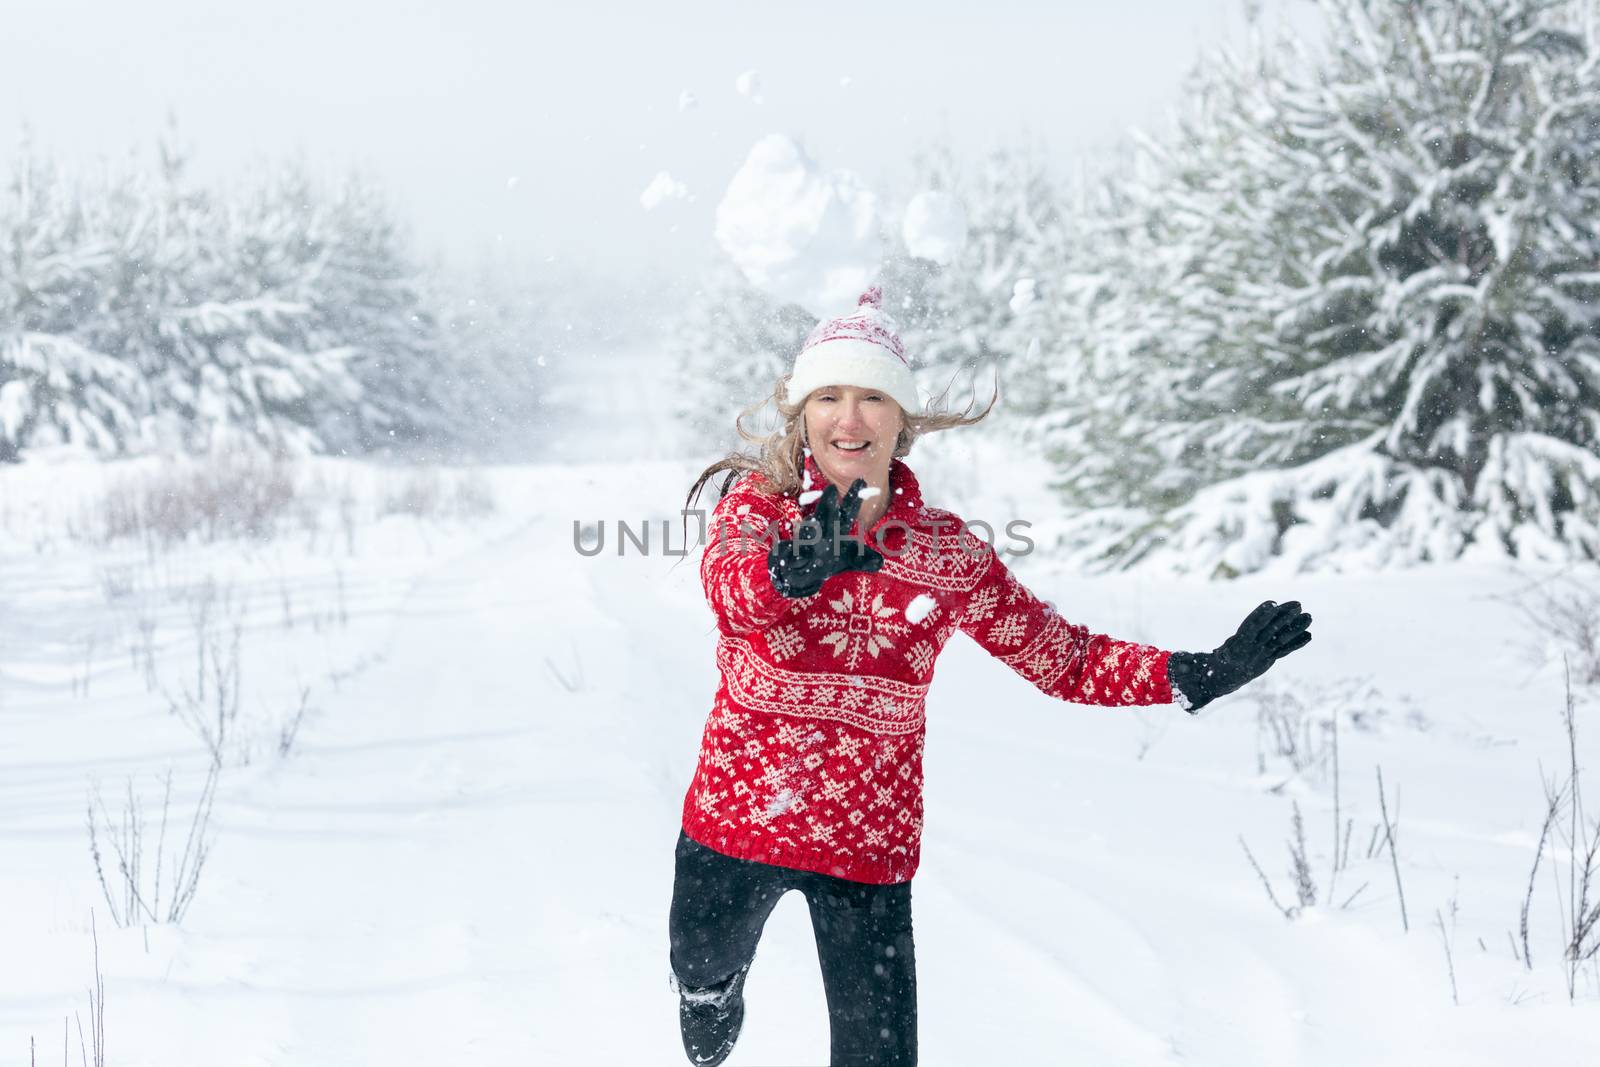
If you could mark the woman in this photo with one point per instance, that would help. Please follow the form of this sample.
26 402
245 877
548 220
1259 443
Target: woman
831 611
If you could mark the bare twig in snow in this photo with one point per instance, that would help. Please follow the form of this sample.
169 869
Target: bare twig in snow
1333 874
1266 883
139 903
1570 612
1551 812
1388 833
1300 867
97 1003
291 729
573 683
1582 843
1448 959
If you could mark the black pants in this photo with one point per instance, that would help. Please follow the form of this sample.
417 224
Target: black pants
869 970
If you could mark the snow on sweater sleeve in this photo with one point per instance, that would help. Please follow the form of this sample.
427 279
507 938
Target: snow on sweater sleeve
1060 659
734 567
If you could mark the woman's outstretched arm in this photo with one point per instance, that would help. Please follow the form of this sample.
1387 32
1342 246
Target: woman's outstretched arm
1061 659
1069 662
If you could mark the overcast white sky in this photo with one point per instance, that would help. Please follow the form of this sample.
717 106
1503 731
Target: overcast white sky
445 102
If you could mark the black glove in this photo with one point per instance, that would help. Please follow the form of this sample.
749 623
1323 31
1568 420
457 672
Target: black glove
821 546
1267 634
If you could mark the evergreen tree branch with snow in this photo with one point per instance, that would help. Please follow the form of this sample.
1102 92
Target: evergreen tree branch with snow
971 300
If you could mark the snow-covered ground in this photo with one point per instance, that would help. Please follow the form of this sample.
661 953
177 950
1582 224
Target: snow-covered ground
466 854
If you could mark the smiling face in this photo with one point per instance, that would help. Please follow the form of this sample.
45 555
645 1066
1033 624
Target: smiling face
852 434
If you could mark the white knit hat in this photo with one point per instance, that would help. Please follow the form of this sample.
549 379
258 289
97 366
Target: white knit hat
861 349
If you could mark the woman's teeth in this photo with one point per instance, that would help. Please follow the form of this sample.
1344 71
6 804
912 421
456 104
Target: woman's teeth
851 448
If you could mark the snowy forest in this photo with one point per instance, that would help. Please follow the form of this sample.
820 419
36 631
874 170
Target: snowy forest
1344 310
1378 344
144 313
348 703
1340 311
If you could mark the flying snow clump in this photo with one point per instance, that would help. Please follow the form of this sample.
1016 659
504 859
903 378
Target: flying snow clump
662 187
935 226
799 233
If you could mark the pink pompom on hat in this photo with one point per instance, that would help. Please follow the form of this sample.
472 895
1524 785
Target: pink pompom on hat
861 349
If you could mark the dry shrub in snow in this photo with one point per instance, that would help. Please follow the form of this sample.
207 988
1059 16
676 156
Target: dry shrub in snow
209 700
134 892
424 493
1300 871
320 492
472 496
1566 607
1295 726
1300 868
210 707
244 495
1288 730
1567 828
420 494
93 1049
221 496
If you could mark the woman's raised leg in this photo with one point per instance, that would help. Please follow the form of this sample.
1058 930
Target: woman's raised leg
719 906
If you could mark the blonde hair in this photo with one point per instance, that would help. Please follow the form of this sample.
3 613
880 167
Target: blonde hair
781 453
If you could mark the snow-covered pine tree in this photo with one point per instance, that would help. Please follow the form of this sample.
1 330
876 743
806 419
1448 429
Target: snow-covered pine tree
957 318
210 299
1106 367
55 386
367 293
1374 331
138 311
733 343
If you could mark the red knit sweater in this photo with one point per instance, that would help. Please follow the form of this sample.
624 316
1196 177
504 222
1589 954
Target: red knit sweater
812 754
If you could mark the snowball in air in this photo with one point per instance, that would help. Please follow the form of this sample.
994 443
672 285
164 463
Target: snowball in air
749 84
799 233
1023 294
687 101
935 226
662 187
